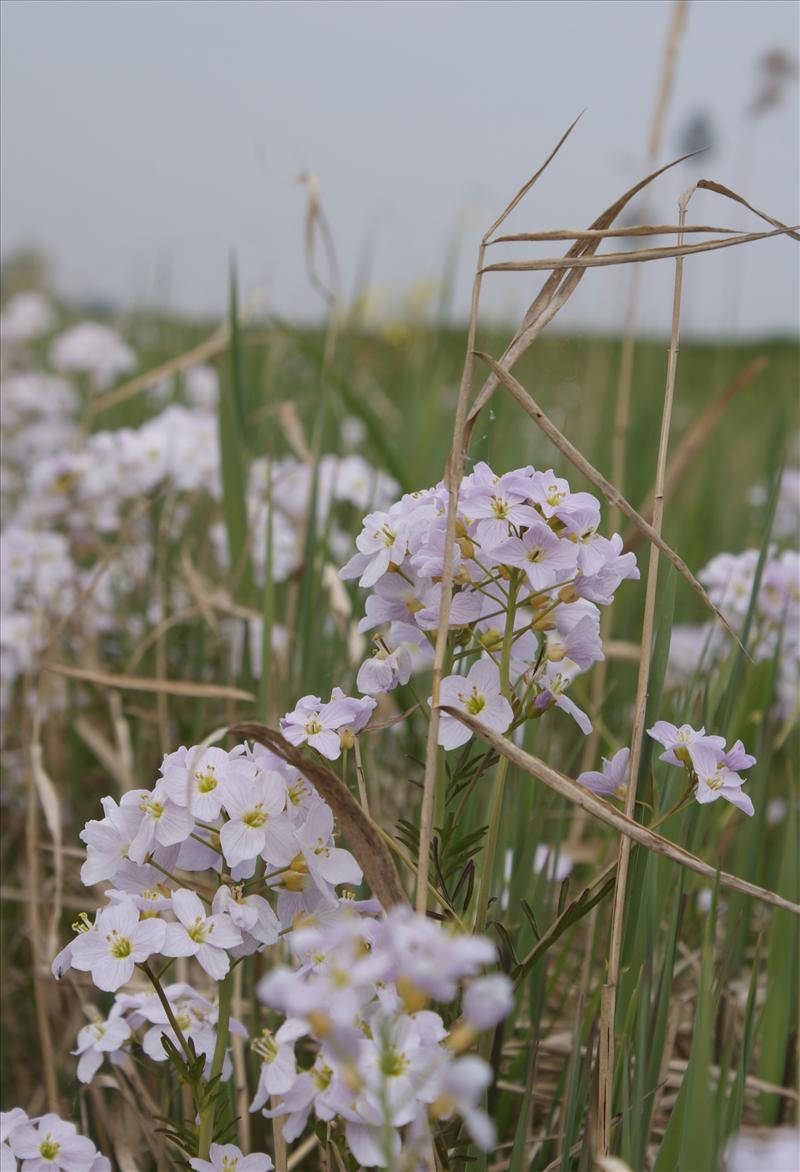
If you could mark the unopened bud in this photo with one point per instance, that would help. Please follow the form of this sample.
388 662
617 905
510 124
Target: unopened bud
568 594
461 1037
319 1022
544 624
414 999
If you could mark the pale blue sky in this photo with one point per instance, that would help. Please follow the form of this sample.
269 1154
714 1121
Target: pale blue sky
142 141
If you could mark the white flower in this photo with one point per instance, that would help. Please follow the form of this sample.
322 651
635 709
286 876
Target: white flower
196 934
229 1158
202 791
254 809
677 740
477 694
107 841
315 724
278 1065
118 942
100 1040
51 1143
716 780
612 776
381 543
93 349
161 821
319 857
384 670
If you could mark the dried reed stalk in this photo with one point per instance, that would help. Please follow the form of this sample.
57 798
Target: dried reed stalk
609 993
453 476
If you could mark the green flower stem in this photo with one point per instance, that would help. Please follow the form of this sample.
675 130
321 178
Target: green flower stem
156 983
496 806
223 1019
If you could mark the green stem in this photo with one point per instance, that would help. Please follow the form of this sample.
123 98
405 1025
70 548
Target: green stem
156 983
485 882
496 807
206 1133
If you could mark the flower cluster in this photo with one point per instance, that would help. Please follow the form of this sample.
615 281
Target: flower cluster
713 770
382 1059
232 853
44 1143
67 496
241 821
530 572
775 627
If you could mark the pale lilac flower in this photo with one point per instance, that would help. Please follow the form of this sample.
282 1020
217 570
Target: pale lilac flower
194 1015
774 1149
463 1084
611 778
200 935
736 758
426 955
145 885
278 1066
715 780
396 1069
107 841
552 494
322 859
381 543
384 670
255 824
251 914
465 608
394 599
579 641
229 1158
93 349
118 942
51 1143
316 724
100 1040
488 1000
496 503
359 710
676 740
601 585
478 694
553 684
202 791
161 821
543 556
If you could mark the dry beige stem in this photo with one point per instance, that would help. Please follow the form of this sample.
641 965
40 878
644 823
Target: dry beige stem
554 264
453 476
144 684
608 1003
